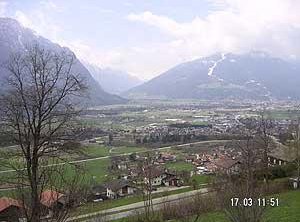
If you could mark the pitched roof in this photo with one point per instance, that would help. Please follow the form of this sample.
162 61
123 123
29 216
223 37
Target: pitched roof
6 202
170 178
49 197
225 163
153 172
282 152
116 185
99 189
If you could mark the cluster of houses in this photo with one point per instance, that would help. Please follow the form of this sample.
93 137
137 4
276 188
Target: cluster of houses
137 182
163 158
229 161
12 210
213 162
220 122
128 164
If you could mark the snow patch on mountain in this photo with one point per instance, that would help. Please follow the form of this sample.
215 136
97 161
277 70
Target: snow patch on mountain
20 41
251 81
211 69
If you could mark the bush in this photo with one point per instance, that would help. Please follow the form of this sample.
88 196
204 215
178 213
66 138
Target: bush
282 171
278 172
140 217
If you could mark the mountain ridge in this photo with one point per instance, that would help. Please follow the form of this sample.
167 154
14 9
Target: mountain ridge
14 37
254 75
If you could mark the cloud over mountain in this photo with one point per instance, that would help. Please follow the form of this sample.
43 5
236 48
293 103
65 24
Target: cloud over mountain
235 26
146 39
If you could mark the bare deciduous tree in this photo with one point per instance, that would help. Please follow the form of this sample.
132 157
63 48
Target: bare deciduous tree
294 145
261 128
233 198
38 111
244 185
265 126
147 186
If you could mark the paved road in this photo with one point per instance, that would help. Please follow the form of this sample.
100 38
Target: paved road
124 154
133 209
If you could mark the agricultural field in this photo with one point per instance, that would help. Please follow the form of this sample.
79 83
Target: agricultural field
201 179
180 166
97 170
284 114
128 149
95 150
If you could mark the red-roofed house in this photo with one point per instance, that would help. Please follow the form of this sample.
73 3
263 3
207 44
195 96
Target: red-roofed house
52 201
10 210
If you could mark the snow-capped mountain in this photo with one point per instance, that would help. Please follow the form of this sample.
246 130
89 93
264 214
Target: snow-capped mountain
254 75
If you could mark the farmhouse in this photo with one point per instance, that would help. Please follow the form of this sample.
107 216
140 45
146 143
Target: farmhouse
52 202
227 165
160 177
10 210
172 180
167 157
280 155
113 189
154 175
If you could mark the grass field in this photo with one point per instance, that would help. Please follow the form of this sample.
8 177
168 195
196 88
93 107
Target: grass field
180 166
201 179
126 149
284 114
97 170
288 210
95 150
93 172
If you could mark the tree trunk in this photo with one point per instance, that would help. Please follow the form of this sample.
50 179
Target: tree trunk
35 196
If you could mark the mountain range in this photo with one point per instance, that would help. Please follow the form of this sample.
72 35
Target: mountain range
113 81
14 37
253 75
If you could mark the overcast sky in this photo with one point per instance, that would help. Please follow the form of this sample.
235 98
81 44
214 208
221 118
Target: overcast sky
146 37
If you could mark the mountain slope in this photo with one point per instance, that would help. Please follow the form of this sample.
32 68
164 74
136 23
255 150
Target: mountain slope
14 37
113 81
226 76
